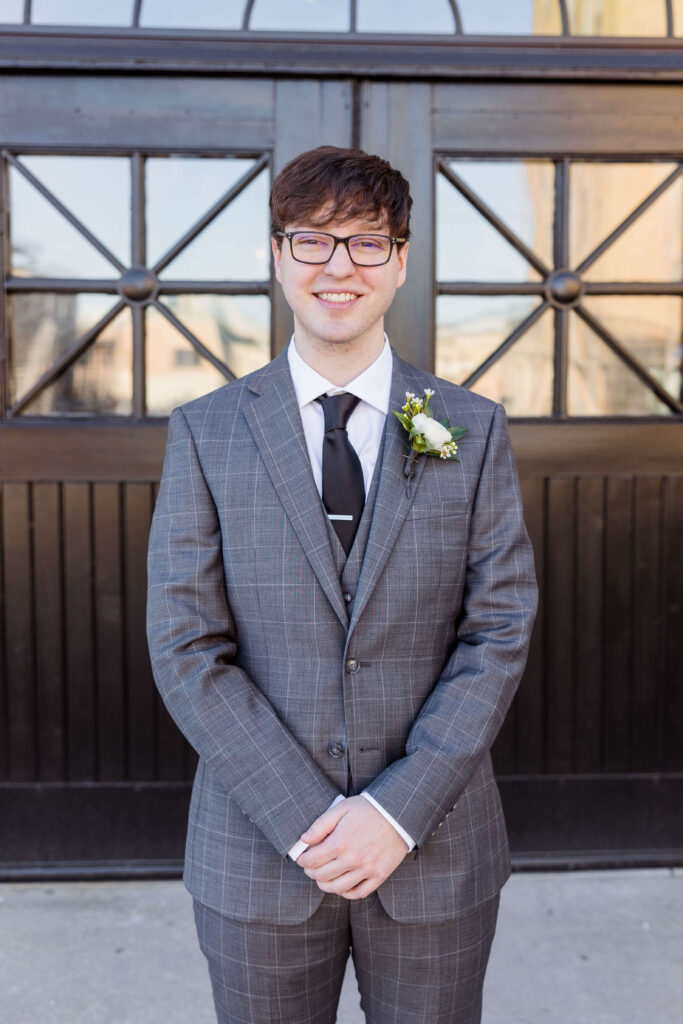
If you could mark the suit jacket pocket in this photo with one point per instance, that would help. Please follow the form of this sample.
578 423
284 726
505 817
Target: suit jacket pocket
439 509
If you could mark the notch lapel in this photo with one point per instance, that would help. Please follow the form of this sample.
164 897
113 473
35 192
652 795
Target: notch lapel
395 491
275 422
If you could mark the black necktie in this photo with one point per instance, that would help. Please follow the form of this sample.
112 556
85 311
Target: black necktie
343 488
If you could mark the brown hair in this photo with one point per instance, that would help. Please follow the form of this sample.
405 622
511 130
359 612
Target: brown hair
339 184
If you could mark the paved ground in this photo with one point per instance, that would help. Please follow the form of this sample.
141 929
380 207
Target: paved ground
571 948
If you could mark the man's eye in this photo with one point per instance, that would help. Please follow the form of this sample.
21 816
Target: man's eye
368 243
310 241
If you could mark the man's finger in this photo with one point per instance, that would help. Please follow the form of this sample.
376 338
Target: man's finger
323 825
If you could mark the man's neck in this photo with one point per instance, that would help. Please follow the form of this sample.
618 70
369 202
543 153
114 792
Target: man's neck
339 362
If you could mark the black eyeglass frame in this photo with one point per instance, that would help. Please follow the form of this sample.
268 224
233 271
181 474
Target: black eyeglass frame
337 239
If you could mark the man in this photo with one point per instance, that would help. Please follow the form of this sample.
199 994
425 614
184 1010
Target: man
338 624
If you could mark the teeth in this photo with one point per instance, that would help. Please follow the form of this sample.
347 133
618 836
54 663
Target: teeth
337 296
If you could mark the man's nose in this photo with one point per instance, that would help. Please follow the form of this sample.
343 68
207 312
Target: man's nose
340 262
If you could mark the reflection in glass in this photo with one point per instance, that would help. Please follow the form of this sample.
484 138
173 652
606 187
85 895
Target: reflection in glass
234 246
44 243
198 14
306 15
81 12
678 17
616 17
500 17
602 195
650 249
234 328
470 327
599 383
468 247
405 16
520 193
44 326
522 379
649 327
96 189
11 12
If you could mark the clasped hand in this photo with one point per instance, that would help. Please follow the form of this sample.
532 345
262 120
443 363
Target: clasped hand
353 849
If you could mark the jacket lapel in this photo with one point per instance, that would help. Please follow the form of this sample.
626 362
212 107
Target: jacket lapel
396 490
275 423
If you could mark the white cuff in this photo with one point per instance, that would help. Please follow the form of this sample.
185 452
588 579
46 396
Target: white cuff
401 831
299 847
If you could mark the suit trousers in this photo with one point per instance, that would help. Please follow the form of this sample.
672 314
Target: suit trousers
264 973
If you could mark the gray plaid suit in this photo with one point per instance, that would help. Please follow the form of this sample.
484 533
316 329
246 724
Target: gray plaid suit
264 669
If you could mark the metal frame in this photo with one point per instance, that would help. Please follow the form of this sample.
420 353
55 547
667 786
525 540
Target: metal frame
18 285
544 287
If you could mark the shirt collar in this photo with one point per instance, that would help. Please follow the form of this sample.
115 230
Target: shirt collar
373 385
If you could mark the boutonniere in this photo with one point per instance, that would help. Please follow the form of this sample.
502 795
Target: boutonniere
428 435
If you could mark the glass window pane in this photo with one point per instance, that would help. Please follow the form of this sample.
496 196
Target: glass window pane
236 328
96 189
301 15
470 327
11 12
651 248
198 14
520 192
678 17
602 195
522 379
43 327
649 327
468 247
44 243
500 17
617 17
599 383
234 247
82 12
405 16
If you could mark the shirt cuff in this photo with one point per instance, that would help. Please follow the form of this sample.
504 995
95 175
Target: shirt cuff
299 847
401 831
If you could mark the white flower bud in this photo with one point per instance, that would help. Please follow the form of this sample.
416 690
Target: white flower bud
434 433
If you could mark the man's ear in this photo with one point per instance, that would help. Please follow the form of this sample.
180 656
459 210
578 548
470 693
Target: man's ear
277 256
402 255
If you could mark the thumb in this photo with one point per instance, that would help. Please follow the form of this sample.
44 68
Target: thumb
325 824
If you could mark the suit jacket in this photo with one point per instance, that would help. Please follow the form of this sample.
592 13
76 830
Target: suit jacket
264 669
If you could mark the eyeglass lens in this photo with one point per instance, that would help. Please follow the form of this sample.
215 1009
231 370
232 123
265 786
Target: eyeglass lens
366 250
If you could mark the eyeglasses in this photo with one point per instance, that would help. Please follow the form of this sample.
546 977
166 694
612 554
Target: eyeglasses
319 247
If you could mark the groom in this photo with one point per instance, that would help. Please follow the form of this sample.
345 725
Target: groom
338 625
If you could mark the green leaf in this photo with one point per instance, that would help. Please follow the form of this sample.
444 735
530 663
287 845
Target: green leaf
458 432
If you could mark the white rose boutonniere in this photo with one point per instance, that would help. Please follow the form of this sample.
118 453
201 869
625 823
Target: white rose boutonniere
428 435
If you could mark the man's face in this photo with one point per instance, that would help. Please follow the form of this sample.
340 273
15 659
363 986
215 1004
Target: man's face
339 302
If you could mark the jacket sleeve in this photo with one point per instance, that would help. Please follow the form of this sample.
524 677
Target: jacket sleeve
192 642
460 719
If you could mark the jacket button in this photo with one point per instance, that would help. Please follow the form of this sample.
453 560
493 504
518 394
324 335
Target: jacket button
352 665
348 598
335 749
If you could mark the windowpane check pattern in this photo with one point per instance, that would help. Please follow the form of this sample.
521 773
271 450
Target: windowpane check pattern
608 18
132 306
560 284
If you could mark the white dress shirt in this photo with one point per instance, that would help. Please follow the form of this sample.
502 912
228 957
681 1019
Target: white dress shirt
364 428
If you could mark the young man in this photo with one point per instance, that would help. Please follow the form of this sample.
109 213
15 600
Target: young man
338 624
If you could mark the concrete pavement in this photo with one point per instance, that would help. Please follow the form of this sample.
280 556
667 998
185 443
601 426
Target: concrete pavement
571 948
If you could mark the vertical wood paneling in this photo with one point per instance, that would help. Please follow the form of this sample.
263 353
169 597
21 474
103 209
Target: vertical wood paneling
16 539
109 637
137 505
618 623
672 551
48 631
590 524
560 625
81 746
530 701
647 626
4 696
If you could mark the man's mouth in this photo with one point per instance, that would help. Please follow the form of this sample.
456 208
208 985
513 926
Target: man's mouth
337 298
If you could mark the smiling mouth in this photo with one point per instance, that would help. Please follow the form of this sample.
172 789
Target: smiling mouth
337 298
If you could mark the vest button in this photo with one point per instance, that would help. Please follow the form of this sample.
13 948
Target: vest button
348 598
352 665
335 750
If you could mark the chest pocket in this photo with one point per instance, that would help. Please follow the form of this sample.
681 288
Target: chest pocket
440 509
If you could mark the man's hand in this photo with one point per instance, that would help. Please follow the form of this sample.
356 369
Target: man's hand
353 849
